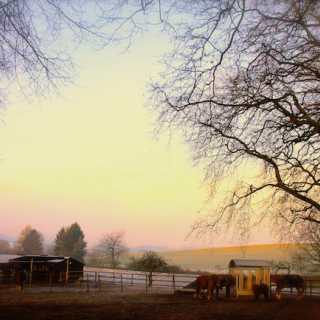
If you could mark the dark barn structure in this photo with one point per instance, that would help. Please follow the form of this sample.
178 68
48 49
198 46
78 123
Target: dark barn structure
6 268
41 268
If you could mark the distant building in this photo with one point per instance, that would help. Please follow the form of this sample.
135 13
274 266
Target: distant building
40 268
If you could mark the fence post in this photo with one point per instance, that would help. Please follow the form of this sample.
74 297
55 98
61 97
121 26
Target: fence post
132 279
121 284
310 284
99 281
30 273
67 271
146 279
113 277
88 287
50 281
173 283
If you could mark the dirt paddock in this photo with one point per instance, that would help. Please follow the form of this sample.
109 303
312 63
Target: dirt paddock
103 305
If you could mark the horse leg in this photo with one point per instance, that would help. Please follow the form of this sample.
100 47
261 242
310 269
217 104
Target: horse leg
196 295
202 293
228 291
278 294
300 292
209 294
210 290
217 293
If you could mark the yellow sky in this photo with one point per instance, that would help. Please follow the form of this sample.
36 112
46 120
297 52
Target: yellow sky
88 155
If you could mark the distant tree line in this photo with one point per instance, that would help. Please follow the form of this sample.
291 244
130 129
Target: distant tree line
112 252
30 241
69 241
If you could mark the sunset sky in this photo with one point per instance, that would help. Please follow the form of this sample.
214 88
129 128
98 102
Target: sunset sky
89 155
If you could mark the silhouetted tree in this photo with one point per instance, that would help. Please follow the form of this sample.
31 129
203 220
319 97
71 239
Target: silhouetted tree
39 37
242 83
70 242
30 241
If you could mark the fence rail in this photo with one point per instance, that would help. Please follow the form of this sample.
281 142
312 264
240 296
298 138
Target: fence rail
122 280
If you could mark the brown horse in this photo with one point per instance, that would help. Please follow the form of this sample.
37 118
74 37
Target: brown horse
288 281
208 283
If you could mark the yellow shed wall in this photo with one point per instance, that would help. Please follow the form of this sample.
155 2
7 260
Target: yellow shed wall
247 277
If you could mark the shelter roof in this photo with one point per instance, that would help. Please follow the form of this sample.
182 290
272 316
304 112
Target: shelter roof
4 258
246 263
38 258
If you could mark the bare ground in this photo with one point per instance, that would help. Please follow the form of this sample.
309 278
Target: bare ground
116 306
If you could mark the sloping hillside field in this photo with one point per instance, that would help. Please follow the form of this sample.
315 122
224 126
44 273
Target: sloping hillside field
217 259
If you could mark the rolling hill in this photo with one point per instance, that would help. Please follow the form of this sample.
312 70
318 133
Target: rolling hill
217 259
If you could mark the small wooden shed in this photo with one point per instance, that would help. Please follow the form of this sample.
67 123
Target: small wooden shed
249 272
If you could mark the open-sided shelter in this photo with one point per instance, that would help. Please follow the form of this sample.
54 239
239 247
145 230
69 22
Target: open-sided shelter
248 273
42 268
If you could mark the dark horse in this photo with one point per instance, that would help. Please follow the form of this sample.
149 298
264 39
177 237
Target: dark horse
261 289
227 281
288 281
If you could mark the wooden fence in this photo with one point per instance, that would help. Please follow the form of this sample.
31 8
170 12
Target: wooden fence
125 280
140 280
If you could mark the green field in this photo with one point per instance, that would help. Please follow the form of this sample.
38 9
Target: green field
217 259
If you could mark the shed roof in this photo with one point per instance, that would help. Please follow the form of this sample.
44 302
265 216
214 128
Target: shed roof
246 263
4 258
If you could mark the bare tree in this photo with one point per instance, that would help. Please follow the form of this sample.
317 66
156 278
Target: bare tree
109 250
242 83
38 39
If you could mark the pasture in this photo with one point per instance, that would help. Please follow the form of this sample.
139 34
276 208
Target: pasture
134 306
